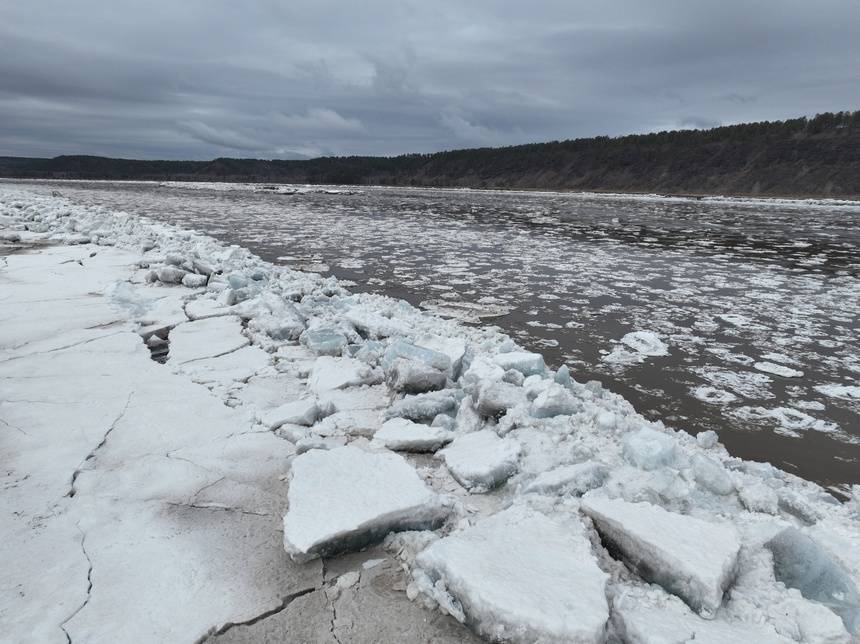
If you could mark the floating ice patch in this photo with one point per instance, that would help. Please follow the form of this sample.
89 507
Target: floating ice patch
788 421
778 369
638 346
713 396
345 498
846 392
518 577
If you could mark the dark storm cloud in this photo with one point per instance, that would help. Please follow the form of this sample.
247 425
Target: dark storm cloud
199 79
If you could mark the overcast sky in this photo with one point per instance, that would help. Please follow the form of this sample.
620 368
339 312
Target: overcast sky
196 79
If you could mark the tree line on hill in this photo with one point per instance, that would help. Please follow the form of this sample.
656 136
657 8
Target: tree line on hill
817 156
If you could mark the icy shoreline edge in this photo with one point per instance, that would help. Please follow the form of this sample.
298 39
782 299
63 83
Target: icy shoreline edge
539 439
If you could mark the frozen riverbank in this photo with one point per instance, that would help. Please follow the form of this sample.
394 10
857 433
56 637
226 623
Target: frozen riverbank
156 491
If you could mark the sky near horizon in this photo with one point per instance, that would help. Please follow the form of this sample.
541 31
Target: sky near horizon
289 79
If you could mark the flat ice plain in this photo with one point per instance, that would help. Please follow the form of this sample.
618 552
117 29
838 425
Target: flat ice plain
149 500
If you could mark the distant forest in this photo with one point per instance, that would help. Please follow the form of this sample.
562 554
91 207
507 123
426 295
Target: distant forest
817 156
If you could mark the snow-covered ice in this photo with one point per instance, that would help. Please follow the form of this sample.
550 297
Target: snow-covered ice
518 576
346 498
481 461
404 435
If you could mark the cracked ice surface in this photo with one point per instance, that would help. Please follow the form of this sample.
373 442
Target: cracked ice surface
156 492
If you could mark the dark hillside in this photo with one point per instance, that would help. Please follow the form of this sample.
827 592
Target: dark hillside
805 157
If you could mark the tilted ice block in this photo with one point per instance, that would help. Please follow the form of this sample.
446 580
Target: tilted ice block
528 364
402 435
554 401
481 461
345 499
649 449
801 562
691 558
297 412
401 349
495 398
414 377
426 406
336 373
374 325
518 576
454 348
324 341
570 479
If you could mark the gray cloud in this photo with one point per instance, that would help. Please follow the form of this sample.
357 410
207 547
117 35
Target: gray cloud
206 78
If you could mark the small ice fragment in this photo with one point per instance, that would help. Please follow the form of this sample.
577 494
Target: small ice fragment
192 280
481 461
345 499
707 439
170 274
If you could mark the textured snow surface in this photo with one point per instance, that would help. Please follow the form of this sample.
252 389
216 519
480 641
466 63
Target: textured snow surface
519 576
345 498
153 502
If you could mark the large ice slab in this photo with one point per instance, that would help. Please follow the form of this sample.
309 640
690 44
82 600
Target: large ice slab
346 498
518 576
481 461
206 338
691 558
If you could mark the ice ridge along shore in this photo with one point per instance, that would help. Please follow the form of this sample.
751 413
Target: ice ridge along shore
199 445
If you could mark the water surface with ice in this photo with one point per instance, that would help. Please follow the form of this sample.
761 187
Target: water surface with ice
727 314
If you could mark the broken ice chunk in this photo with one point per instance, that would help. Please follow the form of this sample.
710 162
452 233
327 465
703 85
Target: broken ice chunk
454 348
401 349
711 475
528 364
495 398
426 406
404 435
570 479
192 280
309 442
649 449
297 412
518 576
801 562
336 373
170 274
324 341
554 401
481 461
414 376
345 499
691 558
758 497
